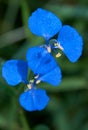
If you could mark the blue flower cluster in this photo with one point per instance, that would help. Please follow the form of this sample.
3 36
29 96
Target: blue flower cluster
40 60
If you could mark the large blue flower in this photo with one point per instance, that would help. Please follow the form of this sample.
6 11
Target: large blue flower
46 24
40 61
45 69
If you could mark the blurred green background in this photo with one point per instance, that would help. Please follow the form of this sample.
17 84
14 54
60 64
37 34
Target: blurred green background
68 107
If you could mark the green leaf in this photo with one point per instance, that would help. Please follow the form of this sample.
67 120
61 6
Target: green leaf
68 84
67 11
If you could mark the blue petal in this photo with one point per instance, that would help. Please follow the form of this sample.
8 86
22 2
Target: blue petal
43 64
39 60
34 99
34 57
71 41
44 23
53 77
15 71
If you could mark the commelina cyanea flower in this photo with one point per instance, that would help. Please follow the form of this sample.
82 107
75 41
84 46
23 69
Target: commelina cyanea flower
45 69
45 24
39 59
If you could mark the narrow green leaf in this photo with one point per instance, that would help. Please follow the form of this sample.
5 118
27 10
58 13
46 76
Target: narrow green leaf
67 11
25 14
68 84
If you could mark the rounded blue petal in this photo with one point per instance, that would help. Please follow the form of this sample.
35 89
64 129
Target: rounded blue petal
71 42
41 62
44 23
15 71
53 77
34 57
34 99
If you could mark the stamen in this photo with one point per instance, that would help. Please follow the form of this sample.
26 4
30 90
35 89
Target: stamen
49 49
29 86
36 76
31 81
59 46
55 44
58 55
38 81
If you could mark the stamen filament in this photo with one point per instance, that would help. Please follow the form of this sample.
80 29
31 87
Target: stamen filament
36 76
49 49
59 46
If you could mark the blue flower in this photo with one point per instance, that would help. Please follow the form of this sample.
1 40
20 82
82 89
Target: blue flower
41 62
46 24
45 69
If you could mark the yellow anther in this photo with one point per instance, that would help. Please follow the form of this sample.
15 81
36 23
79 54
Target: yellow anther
29 86
58 55
38 81
55 44
32 81
49 49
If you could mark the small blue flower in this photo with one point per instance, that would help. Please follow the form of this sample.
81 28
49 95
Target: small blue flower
45 69
46 24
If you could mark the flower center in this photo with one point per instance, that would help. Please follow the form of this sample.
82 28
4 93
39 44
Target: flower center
33 82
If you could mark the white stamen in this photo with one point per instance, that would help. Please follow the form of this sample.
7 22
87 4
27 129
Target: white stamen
49 49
